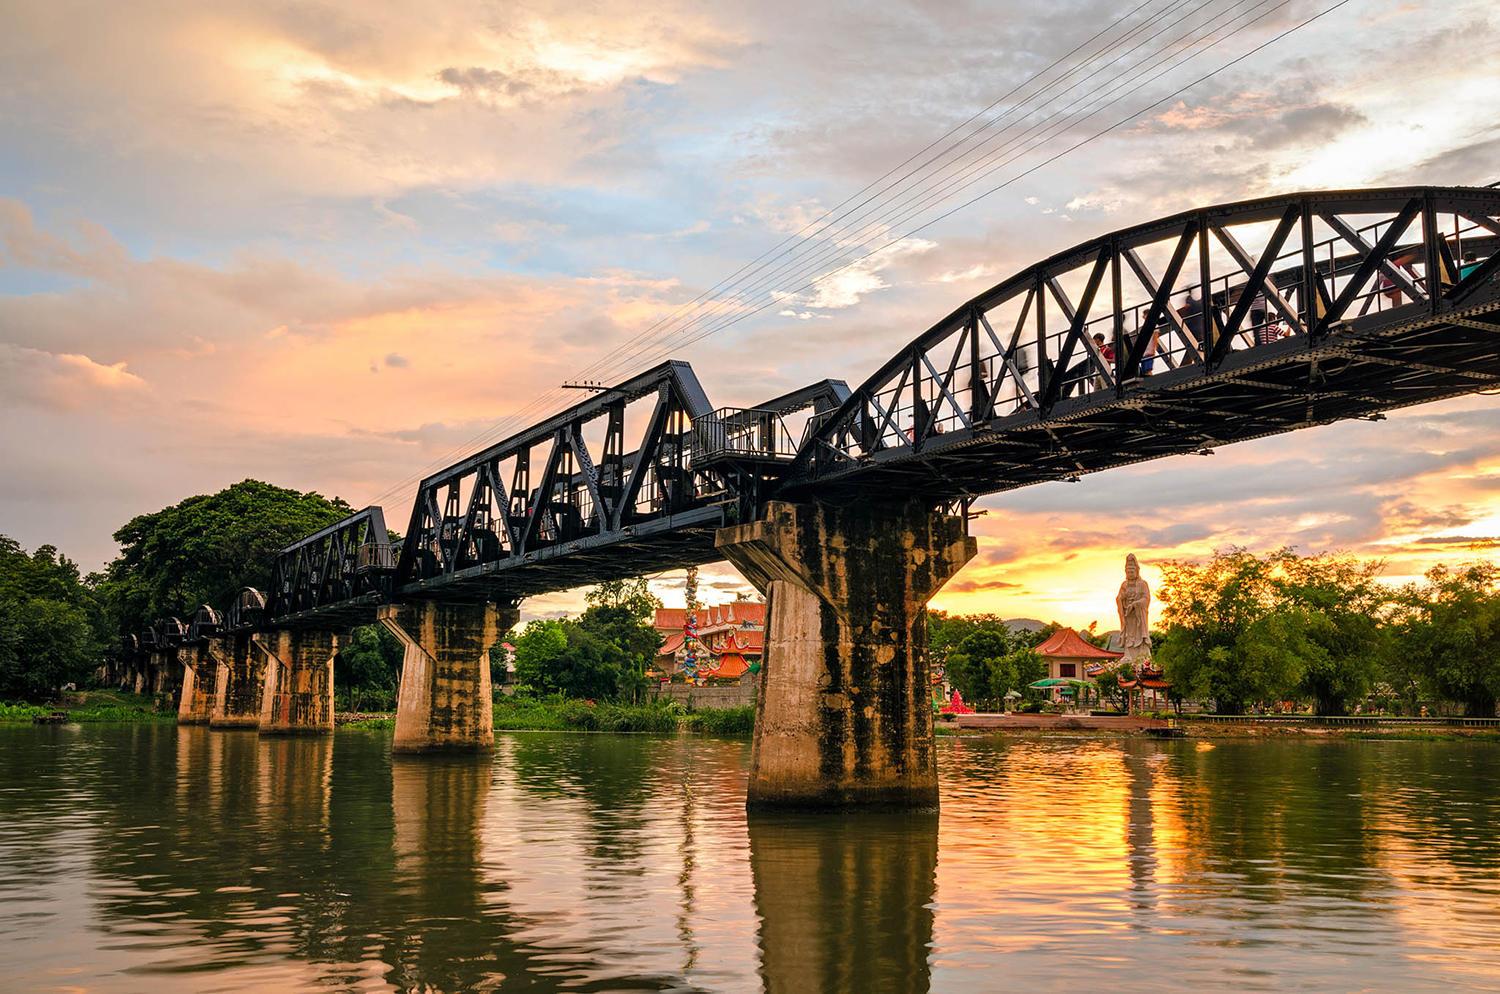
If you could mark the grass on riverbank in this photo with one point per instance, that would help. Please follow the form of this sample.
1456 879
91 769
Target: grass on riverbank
96 705
663 718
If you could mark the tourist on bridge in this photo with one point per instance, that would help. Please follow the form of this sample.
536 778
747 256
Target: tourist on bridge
1100 381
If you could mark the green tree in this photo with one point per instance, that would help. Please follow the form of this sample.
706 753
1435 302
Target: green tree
1027 666
588 667
633 596
980 666
369 660
205 548
48 633
1221 641
1329 609
1450 630
538 646
1244 628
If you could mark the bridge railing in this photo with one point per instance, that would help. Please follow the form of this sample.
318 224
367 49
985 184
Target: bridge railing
330 566
1186 291
573 481
742 433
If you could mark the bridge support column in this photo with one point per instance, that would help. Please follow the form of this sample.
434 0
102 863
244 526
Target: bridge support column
446 703
199 678
845 715
239 685
297 698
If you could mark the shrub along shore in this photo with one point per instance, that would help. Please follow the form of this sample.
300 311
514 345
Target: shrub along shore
550 715
561 715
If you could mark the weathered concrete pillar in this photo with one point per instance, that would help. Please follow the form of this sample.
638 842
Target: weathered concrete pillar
157 672
845 716
199 679
298 695
239 686
445 702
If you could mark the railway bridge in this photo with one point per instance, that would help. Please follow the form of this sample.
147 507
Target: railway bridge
848 507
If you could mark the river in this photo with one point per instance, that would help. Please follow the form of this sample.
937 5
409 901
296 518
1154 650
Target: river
155 858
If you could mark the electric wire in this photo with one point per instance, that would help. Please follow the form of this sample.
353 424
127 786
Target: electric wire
936 198
795 240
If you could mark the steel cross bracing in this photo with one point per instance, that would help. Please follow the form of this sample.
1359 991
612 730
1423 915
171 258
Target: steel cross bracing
1215 325
1319 307
338 570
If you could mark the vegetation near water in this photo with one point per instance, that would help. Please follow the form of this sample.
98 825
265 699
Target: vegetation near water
97 706
1237 632
568 715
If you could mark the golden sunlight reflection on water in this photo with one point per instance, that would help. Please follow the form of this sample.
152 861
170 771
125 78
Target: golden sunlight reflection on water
164 859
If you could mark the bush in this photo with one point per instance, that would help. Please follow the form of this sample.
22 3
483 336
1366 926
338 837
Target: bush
560 714
117 712
21 712
724 721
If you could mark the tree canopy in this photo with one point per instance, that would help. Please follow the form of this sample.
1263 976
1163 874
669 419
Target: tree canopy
1244 628
50 626
1446 637
205 548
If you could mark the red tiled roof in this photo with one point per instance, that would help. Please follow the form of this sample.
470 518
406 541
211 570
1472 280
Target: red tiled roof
671 618
1066 644
730 665
671 645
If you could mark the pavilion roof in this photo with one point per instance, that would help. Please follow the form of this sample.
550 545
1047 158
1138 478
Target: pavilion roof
1066 644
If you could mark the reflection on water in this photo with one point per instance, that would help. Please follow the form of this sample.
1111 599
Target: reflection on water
183 859
845 903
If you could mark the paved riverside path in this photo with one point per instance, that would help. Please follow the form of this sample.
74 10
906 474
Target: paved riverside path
1033 722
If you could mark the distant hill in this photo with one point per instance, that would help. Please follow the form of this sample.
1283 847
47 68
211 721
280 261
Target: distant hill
1024 624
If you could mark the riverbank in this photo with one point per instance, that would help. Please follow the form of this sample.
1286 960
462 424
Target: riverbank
91 706
664 718
1215 727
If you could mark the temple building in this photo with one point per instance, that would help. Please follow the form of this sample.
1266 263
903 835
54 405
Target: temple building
1069 657
732 638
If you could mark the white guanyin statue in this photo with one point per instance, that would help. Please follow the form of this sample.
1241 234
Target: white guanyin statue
1134 603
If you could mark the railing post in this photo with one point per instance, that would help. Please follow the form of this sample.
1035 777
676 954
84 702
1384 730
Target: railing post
1309 302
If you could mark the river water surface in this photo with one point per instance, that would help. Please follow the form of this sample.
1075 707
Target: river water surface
151 858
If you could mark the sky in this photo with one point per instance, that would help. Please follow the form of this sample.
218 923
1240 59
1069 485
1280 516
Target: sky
335 245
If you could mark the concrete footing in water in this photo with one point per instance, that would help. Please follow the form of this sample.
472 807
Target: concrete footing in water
445 702
199 679
240 684
845 714
297 698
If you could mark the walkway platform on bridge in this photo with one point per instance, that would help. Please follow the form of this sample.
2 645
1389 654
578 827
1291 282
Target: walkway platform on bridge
1055 722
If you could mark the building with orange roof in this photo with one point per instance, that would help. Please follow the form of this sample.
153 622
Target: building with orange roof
1069 657
733 637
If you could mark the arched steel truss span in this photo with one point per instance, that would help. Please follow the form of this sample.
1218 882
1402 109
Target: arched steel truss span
1205 328
1209 327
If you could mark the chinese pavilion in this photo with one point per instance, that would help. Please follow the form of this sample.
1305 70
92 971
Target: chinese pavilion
731 639
1071 658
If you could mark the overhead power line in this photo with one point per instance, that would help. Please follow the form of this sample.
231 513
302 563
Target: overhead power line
800 261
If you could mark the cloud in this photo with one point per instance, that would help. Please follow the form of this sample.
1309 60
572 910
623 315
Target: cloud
65 382
976 586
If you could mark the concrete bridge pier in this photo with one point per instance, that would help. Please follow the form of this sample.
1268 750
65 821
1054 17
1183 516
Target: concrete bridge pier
446 703
845 713
239 684
297 698
199 679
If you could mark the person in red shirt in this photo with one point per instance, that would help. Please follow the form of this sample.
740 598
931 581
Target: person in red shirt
1100 383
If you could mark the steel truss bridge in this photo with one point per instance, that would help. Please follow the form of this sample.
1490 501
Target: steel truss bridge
1186 333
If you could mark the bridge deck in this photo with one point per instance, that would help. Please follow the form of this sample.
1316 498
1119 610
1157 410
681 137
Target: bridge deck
1179 335
1274 388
